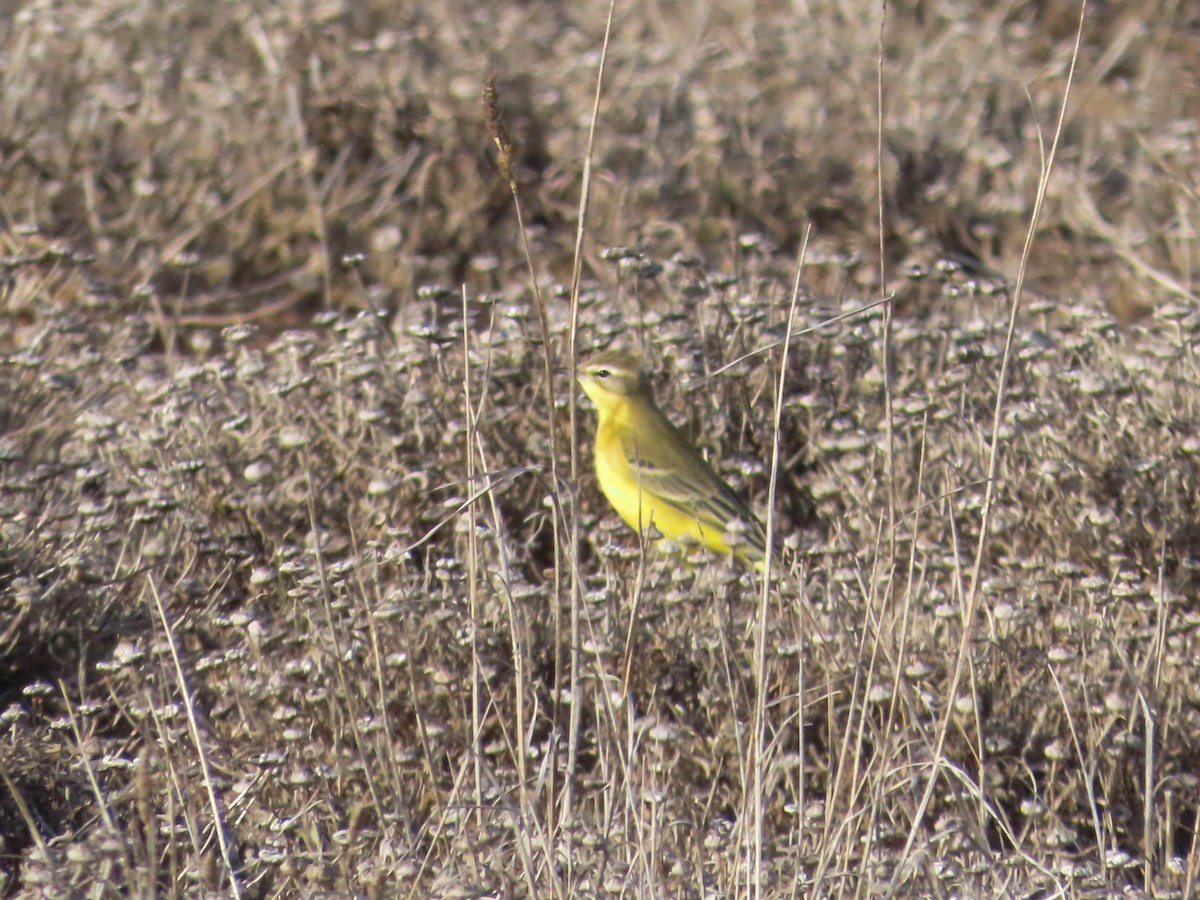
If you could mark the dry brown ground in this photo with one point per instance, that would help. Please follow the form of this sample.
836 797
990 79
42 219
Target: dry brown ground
286 499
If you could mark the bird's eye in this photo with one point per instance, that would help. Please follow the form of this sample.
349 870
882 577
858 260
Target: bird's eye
602 373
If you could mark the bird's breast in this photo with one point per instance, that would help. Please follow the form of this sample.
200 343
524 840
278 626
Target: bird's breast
613 473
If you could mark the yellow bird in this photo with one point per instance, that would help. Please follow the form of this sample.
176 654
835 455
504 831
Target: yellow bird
651 473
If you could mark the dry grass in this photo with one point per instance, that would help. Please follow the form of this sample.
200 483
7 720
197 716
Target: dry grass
285 510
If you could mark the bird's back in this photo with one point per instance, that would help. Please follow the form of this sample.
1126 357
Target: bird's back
651 472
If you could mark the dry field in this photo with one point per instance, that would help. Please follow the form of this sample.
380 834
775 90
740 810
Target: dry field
306 587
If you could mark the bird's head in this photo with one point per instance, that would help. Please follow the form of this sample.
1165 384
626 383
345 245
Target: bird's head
612 376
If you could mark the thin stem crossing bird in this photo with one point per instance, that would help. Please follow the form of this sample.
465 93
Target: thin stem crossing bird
652 474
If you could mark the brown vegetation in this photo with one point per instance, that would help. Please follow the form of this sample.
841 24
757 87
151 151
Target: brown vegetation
286 500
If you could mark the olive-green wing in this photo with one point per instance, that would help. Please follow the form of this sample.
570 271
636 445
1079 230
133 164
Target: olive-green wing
667 466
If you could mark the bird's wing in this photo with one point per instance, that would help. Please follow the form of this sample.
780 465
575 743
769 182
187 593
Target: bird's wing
668 467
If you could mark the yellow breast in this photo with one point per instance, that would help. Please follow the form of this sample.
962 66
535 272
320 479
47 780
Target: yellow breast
637 505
